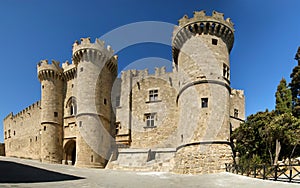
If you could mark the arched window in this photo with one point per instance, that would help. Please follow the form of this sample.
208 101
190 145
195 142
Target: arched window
71 106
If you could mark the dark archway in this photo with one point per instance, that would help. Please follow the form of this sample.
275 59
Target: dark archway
70 152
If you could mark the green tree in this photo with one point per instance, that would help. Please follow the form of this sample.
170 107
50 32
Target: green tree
295 88
252 138
266 137
284 130
283 98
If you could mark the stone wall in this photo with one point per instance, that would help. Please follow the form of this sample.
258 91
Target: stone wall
202 158
164 110
237 108
2 149
22 136
158 160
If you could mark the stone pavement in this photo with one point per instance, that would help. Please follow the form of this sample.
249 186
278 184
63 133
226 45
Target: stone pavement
35 174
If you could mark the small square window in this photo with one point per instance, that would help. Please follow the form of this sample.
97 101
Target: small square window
236 113
81 69
55 114
214 41
204 102
153 95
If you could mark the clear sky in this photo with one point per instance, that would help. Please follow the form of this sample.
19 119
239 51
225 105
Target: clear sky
267 35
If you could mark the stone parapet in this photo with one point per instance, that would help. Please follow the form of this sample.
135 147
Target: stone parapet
49 70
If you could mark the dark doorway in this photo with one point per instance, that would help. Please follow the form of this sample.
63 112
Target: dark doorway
70 152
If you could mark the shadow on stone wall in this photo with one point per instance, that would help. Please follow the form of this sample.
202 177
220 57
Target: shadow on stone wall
11 172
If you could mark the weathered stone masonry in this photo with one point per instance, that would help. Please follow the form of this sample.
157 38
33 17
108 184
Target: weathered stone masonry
177 121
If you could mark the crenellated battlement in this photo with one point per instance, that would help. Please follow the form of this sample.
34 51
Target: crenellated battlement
238 93
140 74
94 52
69 70
201 16
25 111
201 24
160 71
134 73
49 70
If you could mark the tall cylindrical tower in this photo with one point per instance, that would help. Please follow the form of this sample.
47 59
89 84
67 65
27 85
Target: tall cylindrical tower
51 78
201 47
96 72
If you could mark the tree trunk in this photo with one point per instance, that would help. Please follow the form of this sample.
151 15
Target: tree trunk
271 156
278 148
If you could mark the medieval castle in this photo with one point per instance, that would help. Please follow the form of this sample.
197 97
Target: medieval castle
177 121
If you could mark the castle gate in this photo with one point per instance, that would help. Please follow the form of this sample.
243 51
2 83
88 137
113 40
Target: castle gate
70 152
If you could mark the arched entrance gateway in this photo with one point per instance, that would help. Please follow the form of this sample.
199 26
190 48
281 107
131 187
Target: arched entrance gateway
70 152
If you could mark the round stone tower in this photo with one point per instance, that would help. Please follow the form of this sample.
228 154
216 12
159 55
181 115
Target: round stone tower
96 72
51 78
201 47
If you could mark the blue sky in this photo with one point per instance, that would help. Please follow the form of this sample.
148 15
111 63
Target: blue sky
267 35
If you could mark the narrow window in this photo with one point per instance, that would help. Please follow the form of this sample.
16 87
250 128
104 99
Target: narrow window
92 158
44 128
72 106
9 133
104 101
153 95
55 114
81 69
204 102
214 41
118 127
42 86
150 120
80 123
14 133
36 138
71 109
225 71
236 113
117 101
30 140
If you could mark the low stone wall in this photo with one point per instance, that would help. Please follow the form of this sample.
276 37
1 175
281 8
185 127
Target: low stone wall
159 160
202 158
193 158
2 149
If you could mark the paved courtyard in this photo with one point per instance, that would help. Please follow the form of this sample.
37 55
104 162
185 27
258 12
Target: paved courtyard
28 173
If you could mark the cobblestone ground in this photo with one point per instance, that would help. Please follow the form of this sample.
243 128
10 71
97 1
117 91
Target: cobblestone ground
35 174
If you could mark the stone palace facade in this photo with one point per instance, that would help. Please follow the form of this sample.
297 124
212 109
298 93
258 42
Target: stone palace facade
177 121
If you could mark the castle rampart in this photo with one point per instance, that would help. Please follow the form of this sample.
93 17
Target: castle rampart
22 133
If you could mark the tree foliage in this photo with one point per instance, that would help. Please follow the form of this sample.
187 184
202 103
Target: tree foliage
267 136
283 98
295 89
